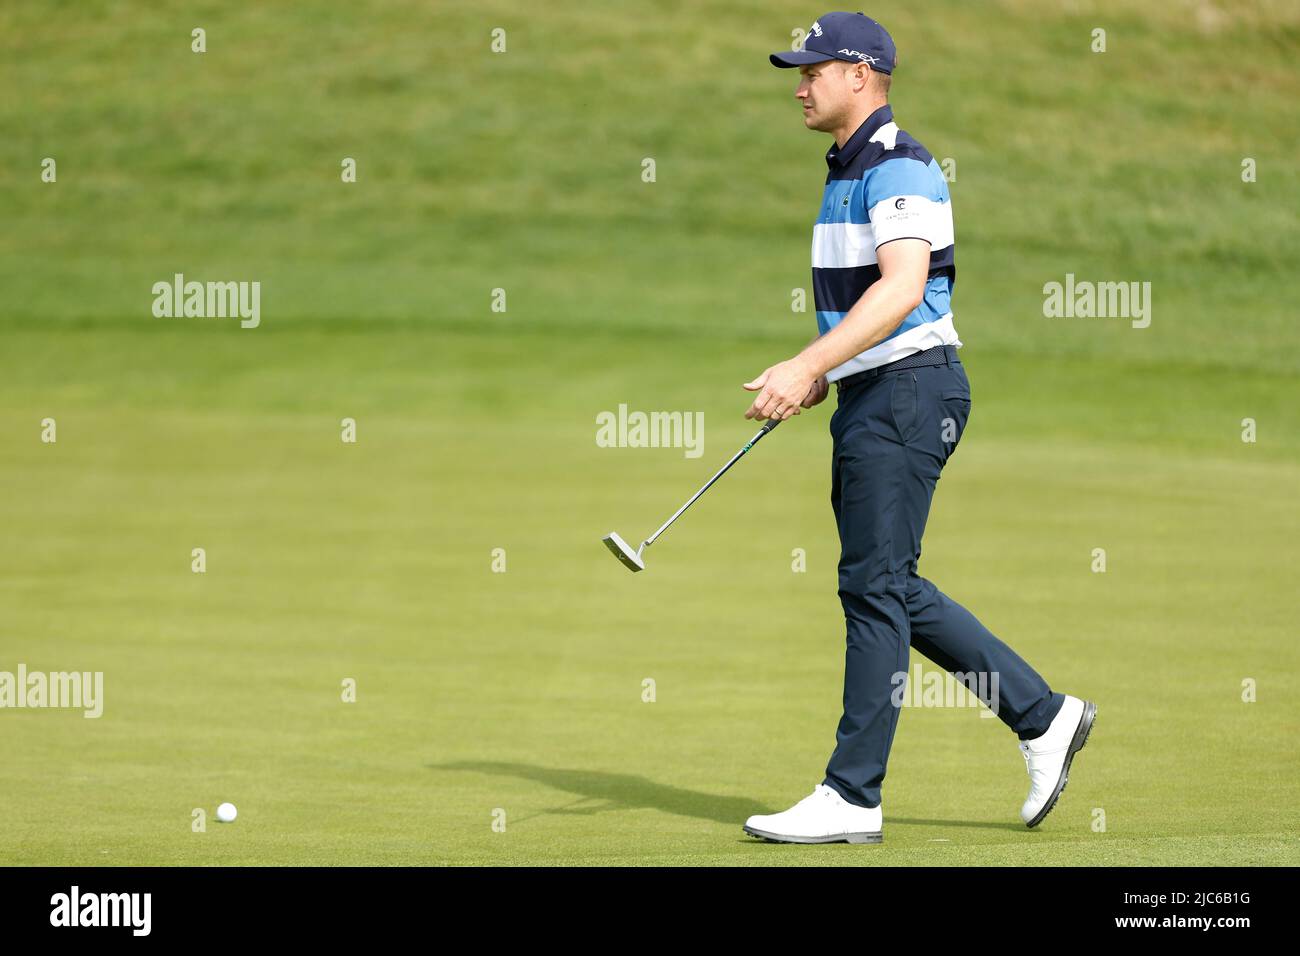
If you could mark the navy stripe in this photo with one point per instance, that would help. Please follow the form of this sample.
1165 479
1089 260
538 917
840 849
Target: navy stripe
934 306
835 290
873 154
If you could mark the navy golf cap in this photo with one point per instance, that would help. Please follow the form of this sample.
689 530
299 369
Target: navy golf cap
854 37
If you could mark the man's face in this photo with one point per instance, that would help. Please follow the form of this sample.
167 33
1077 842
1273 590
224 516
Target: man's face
826 92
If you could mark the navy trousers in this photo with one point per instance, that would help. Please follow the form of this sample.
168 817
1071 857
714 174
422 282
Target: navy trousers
893 432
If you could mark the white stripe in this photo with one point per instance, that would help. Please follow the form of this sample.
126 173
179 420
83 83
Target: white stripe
886 136
920 217
938 332
843 245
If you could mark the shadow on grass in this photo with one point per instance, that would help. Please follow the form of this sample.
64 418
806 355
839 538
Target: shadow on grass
598 791
615 791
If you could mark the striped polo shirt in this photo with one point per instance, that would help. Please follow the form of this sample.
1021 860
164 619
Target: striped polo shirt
881 186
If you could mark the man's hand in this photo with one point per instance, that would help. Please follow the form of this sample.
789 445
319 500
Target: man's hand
817 394
782 389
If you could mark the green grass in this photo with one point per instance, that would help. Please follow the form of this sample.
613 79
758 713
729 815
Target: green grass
522 690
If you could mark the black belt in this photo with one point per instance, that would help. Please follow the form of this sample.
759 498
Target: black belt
938 355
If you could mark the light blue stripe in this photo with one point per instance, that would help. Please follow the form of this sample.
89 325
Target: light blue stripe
828 320
905 177
897 177
835 209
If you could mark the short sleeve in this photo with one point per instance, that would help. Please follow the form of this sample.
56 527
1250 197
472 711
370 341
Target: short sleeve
908 199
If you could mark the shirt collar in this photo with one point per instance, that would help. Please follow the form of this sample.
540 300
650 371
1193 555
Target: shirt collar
836 156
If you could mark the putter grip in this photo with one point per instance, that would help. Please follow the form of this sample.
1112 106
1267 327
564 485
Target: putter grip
767 427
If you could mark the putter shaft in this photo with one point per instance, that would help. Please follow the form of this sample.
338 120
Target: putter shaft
767 427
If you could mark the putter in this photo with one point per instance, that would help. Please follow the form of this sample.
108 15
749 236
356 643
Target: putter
633 560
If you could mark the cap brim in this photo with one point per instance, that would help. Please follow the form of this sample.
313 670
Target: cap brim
798 58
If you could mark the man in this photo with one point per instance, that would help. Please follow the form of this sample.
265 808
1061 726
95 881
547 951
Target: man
883 272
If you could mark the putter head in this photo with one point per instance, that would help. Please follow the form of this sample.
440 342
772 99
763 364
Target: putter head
621 550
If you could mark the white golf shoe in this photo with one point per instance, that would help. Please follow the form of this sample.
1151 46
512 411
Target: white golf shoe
821 817
1047 758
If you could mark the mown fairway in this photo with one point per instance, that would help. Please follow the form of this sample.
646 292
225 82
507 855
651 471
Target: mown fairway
522 691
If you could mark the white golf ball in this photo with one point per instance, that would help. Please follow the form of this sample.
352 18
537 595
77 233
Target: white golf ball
226 813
